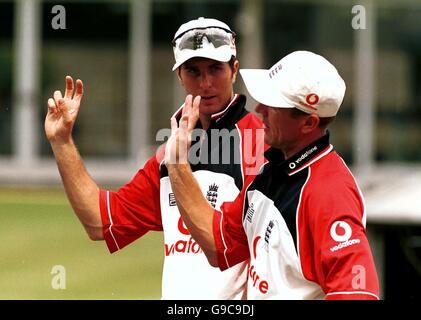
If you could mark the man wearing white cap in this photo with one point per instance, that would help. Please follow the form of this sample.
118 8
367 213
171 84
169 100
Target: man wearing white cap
205 62
301 222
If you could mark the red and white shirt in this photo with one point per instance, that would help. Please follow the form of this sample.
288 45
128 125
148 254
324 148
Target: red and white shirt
302 224
148 203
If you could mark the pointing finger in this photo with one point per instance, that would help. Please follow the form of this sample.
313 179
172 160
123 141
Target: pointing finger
187 104
69 87
186 111
173 125
79 90
194 113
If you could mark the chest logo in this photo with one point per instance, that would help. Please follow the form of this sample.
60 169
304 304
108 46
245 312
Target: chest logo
212 194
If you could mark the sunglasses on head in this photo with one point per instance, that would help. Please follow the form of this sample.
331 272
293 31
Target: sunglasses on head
193 39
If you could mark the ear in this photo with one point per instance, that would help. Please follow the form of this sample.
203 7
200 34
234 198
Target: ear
311 123
235 71
179 76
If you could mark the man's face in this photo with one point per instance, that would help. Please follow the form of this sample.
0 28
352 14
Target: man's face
282 131
211 79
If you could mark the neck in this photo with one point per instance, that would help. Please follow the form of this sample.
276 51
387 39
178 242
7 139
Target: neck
205 120
299 145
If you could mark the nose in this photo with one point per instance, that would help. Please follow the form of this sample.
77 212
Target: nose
205 81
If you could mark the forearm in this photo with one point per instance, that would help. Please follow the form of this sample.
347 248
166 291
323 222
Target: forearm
195 210
81 189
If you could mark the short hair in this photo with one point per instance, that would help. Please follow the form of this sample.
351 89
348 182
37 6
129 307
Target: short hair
230 63
324 121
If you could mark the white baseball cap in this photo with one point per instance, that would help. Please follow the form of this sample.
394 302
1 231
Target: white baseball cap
302 80
206 38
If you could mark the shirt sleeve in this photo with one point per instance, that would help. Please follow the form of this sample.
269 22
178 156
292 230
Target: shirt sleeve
253 146
134 209
334 250
230 238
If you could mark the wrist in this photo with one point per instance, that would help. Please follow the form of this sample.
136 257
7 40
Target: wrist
61 143
178 167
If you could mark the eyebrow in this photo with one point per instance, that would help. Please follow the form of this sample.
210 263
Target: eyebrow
192 65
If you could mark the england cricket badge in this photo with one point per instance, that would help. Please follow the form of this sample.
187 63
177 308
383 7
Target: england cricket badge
212 194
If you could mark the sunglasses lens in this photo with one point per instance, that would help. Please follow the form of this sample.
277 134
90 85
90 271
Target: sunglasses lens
194 39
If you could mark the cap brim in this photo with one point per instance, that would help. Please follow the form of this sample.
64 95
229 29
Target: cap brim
215 54
262 89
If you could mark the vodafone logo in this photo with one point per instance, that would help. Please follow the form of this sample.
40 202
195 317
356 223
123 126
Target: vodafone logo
182 227
312 98
258 283
255 241
341 232
182 246
344 234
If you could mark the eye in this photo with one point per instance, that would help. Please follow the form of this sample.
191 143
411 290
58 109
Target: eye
216 67
192 71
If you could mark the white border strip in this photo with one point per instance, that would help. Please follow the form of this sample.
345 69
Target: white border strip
364 217
241 153
111 220
312 161
223 240
216 115
354 292
296 222
244 202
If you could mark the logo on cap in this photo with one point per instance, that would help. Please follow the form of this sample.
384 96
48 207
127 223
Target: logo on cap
312 98
274 70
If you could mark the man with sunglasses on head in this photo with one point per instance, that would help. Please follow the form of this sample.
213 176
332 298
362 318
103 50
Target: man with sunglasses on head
206 65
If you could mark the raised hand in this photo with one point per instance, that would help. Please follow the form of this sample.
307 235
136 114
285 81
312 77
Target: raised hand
178 145
63 111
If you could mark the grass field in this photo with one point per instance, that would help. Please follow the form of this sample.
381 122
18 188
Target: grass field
38 230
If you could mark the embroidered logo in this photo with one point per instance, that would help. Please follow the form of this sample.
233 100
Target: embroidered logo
212 194
312 98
